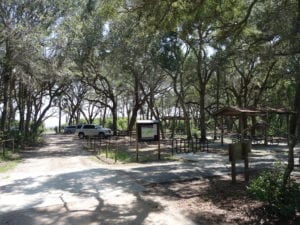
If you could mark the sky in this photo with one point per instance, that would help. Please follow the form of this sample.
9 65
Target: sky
53 121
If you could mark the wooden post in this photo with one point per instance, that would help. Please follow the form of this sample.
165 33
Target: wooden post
106 151
242 127
246 169
215 128
116 152
288 128
193 147
99 146
232 160
172 146
137 151
94 144
245 148
137 144
158 150
130 133
3 149
222 130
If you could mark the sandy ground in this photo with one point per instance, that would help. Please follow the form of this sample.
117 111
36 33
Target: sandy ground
61 183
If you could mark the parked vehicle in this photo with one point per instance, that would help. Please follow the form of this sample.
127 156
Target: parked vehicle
70 129
89 130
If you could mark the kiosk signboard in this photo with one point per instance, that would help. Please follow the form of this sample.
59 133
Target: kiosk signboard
148 130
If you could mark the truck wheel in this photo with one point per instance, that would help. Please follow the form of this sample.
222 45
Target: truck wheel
81 135
101 135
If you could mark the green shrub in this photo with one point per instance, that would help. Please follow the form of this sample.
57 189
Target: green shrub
122 123
9 161
195 133
121 156
280 201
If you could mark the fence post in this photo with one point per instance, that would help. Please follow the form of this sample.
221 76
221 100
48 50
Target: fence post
3 154
106 153
232 159
13 141
116 152
137 151
193 149
172 147
158 156
94 144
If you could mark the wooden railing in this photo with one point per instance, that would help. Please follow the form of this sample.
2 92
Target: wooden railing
3 144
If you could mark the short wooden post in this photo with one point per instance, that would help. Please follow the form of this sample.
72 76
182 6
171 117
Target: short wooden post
99 151
246 146
232 160
130 133
158 156
246 169
106 151
13 141
222 130
233 171
206 145
3 149
116 152
137 151
239 151
194 142
172 147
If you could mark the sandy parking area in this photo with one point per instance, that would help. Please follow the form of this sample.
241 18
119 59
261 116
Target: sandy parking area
60 183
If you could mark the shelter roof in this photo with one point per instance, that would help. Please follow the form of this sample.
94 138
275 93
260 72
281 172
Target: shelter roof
276 110
236 111
173 118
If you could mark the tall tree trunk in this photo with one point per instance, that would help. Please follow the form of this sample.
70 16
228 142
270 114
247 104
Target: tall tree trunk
217 103
202 112
28 117
186 119
133 117
136 106
295 120
59 115
7 72
114 112
294 134
21 105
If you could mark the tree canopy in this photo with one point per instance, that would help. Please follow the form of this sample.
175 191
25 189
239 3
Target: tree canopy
145 59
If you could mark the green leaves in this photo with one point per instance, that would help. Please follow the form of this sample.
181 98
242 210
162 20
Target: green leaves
280 200
167 51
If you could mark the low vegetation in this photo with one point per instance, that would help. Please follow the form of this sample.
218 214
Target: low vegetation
8 161
280 201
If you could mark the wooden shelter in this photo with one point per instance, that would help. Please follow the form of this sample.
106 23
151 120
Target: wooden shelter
244 113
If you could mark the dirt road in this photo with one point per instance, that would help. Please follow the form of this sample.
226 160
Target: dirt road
61 184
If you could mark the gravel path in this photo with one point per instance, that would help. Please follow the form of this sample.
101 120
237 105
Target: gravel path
61 184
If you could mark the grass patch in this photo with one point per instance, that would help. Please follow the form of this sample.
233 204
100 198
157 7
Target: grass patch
9 161
124 156
120 156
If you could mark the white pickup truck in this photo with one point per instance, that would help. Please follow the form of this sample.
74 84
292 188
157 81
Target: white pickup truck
89 130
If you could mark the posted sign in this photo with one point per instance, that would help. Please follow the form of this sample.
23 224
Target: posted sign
147 130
